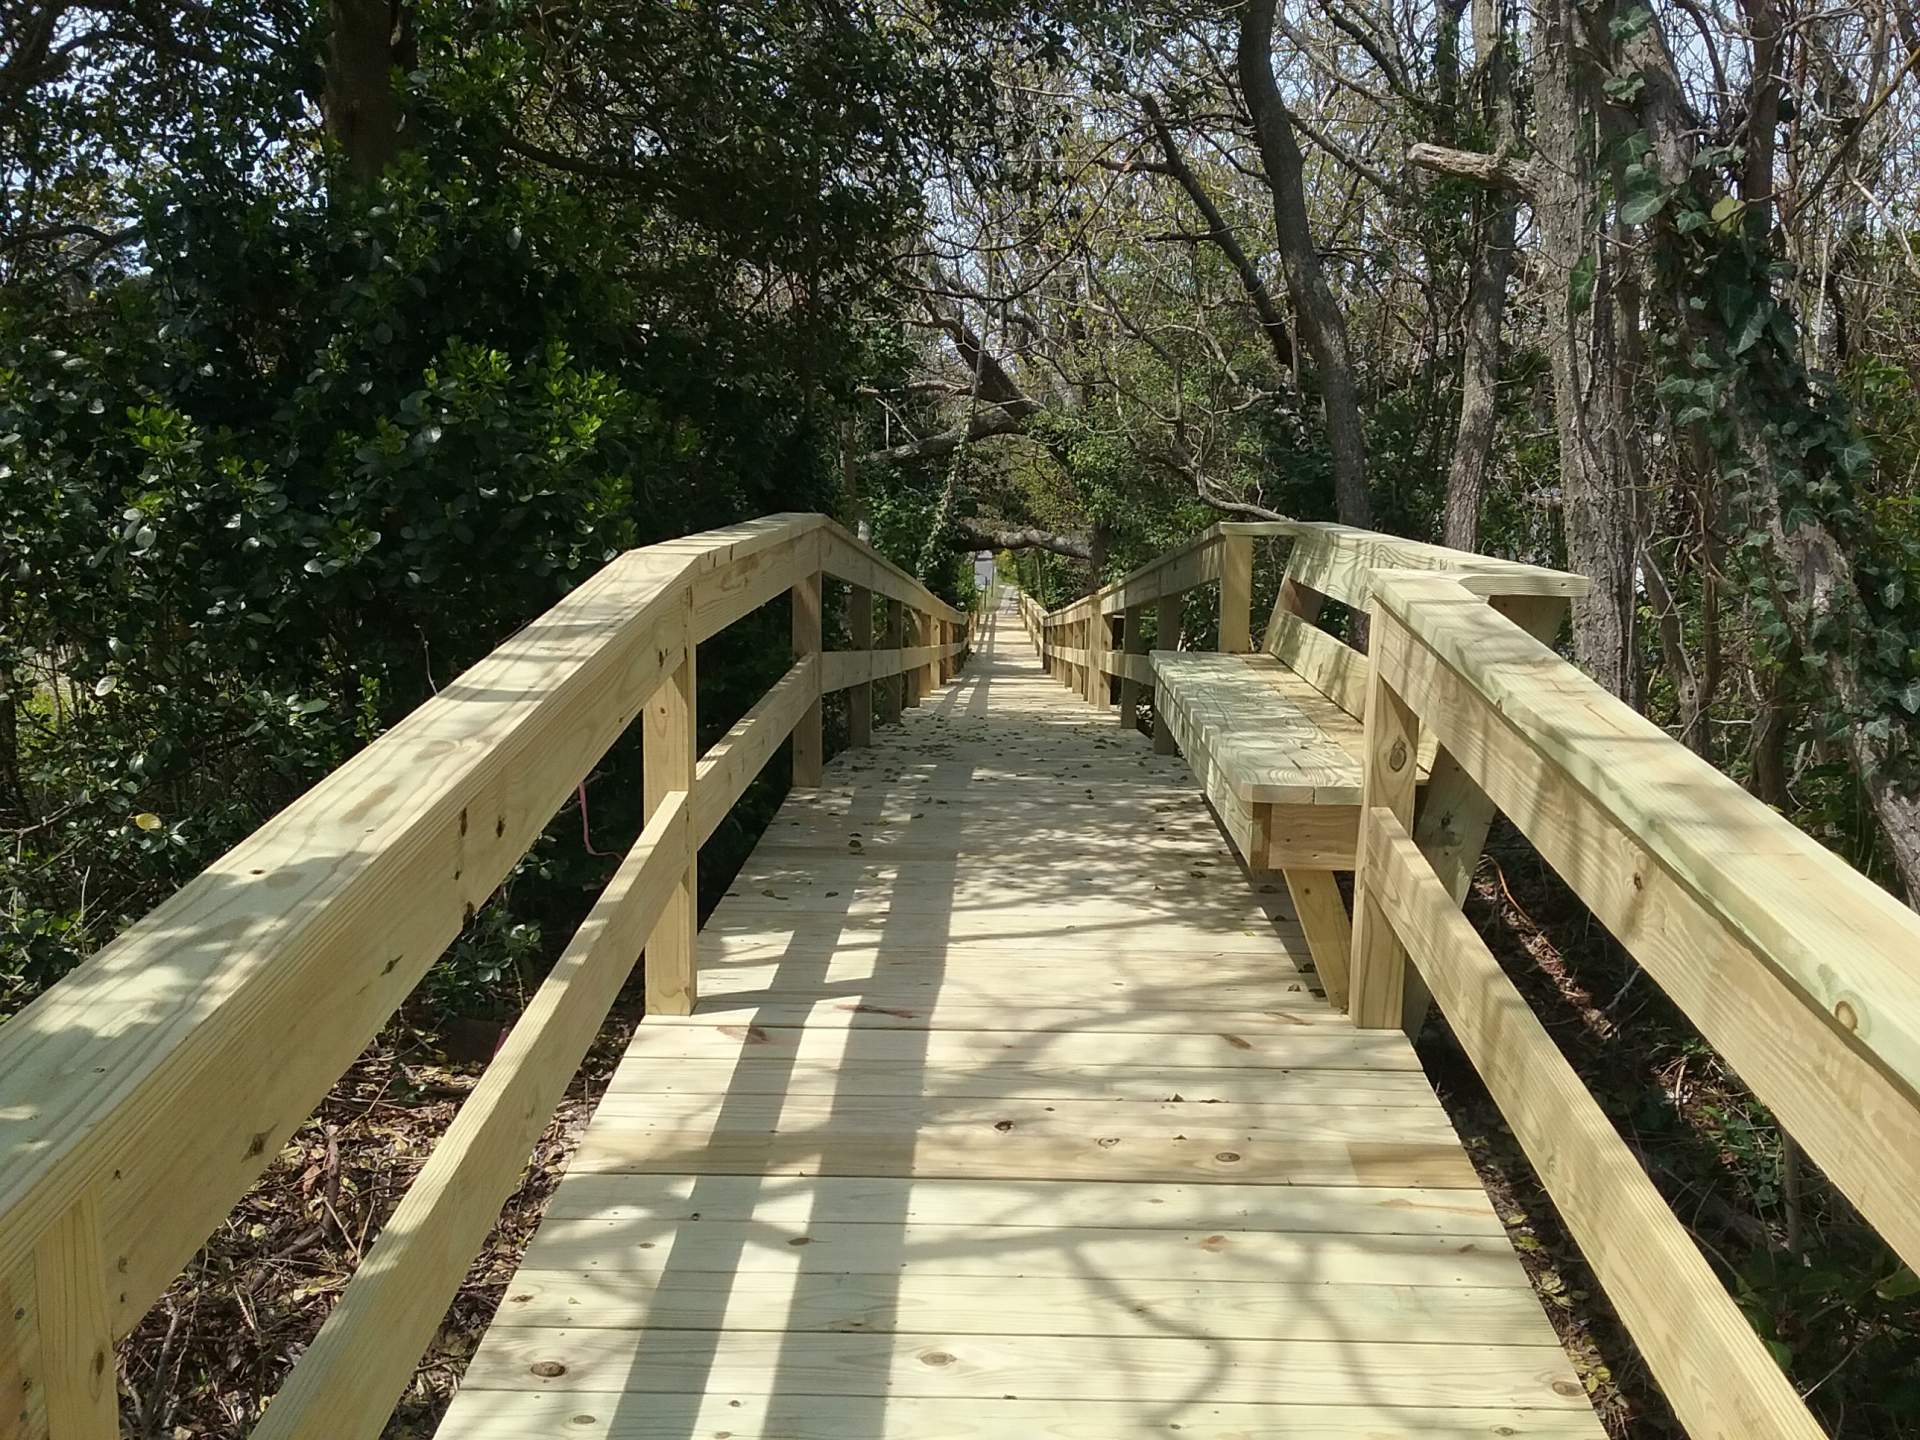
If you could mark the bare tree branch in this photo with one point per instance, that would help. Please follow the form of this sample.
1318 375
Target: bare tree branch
972 535
1499 172
1221 234
988 423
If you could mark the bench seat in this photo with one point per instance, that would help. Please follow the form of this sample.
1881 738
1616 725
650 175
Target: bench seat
1280 761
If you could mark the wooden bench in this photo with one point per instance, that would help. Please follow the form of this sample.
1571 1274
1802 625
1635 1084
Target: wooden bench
1274 736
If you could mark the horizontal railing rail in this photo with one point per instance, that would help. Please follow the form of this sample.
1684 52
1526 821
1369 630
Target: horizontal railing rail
1802 973
1083 642
142 1095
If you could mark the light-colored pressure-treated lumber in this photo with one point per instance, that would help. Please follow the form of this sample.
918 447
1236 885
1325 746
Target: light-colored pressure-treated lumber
158 1080
1133 645
840 669
668 764
657 1204
751 580
893 693
809 751
170 1067
860 637
1377 977
1065 1369
1236 594
168 1070
1715 1372
1323 916
1521 721
1166 632
364 1357
1397 1308
725 771
1456 814
589 1415
1336 670
1790 896
78 1374
1007 1083
846 558
1340 562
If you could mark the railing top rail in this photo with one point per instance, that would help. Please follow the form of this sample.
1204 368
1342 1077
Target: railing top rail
1482 574
1848 946
164 1070
1086 604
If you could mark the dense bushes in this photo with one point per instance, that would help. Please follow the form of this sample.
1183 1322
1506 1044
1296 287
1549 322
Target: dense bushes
303 447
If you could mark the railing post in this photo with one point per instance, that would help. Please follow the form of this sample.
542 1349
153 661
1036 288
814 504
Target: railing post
80 1381
932 628
893 693
1096 691
1455 813
668 755
911 676
1377 979
808 749
1167 612
1133 641
860 697
1236 594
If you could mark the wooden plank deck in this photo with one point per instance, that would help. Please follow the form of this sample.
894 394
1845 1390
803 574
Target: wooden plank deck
1009 1113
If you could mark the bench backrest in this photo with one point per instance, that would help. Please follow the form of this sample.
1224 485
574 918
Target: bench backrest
1338 563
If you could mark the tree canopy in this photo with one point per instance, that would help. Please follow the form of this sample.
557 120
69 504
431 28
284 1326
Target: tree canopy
340 337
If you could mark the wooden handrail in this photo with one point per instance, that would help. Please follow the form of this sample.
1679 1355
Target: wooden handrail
1328 560
144 1093
1797 969
1337 546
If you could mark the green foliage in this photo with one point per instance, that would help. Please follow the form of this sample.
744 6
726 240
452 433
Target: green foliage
279 468
1791 455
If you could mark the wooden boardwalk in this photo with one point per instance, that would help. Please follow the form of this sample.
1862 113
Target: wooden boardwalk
1011 1110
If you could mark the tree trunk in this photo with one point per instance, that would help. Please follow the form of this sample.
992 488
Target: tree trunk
1322 327
369 40
1811 570
1767 745
1473 437
1596 499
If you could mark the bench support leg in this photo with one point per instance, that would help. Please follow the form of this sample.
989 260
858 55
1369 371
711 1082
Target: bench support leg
1323 915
